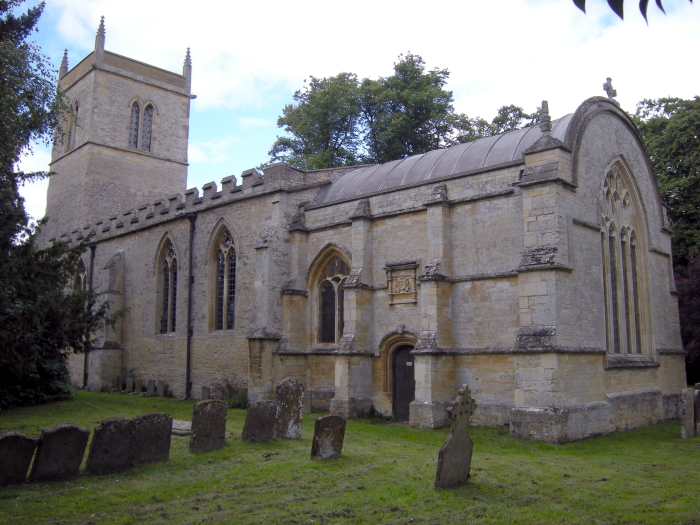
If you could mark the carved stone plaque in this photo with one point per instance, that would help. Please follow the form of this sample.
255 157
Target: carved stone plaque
401 282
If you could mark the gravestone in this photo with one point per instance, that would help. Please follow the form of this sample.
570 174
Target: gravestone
290 400
129 384
60 452
118 383
329 434
138 386
182 428
206 393
697 411
151 388
455 456
16 452
112 446
208 425
161 388
152 437
307 402
260 421
688 418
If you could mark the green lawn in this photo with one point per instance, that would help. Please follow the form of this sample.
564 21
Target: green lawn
385 476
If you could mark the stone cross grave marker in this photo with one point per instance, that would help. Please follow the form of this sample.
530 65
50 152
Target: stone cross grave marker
112 446
208 425
16 452
260 421
455 456
290 399
688 418
329 434
152 437
60 452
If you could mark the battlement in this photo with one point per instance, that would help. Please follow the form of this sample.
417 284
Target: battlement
277 177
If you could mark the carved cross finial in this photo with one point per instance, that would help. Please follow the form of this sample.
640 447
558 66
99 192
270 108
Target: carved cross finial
101 29
608 87
188 58
545 119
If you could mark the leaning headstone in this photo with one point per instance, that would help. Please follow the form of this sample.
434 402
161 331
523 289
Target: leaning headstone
290 400
260 421
161 388
329 434
16 452
138 386
151 388
688 418
152 437
455 456
129 384
60 452
206 393
208 425
112 446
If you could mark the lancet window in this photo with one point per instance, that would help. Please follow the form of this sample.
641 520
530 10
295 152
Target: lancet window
168 289
330 300
80 280
624 285
141 127
224 282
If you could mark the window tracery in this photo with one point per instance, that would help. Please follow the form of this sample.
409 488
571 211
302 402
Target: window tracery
147 128
80 282
225 282
168 289
134 125
330 300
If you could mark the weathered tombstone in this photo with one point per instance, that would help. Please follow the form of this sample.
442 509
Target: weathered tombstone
688 418
118 383
129 384
307 402
208 425
260 421
290 400
152 437
329 434
137 386
161 388
60 452
206 393
455 456
16 452
182 428
697 412
112 446
151 388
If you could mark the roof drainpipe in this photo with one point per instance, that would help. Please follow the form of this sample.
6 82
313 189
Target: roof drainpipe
92 247
190 280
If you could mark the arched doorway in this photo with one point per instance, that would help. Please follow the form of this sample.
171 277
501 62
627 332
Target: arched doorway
404 382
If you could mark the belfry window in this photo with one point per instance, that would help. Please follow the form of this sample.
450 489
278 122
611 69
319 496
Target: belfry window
168 289
330 300
623 279
141 127
224 282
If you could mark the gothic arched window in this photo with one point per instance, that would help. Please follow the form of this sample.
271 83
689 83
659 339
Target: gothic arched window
224 282
147 128
80 280
134 125
624 285
167 307
330 300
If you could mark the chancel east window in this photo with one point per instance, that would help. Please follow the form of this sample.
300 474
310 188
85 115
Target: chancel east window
168 289
624 285
224 282
330 300
141 127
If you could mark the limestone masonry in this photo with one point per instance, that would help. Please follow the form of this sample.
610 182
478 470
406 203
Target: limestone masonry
533 266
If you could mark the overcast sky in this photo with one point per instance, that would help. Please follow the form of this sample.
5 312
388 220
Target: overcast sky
249 57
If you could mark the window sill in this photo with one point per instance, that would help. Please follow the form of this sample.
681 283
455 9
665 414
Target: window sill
630 361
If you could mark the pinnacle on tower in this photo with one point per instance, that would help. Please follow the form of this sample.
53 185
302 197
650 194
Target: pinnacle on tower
101 28
100 42
64 65
187 69
545 119
188 58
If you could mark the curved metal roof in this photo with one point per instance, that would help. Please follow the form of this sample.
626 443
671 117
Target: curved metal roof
462 158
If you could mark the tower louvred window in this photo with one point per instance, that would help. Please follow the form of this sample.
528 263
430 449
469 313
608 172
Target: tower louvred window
147 128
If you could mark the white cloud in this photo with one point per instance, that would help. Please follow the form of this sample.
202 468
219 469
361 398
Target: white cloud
212 151
34 193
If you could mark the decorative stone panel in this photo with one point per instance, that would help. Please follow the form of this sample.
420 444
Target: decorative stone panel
401 282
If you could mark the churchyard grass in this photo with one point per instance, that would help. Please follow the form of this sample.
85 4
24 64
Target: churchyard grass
385 475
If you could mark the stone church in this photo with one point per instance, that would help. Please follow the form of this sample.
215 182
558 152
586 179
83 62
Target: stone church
533 266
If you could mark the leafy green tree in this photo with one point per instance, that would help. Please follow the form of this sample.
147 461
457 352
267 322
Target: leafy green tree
689 309
507 118
322 124
40 319
671 131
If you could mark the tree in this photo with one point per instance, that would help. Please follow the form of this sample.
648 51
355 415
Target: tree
689 309
322 123
618 6
40 320
507 118
671 131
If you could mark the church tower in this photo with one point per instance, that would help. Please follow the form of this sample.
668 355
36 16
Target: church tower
125 140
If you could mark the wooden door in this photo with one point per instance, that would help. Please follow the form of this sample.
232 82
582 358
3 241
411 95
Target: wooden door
404 382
